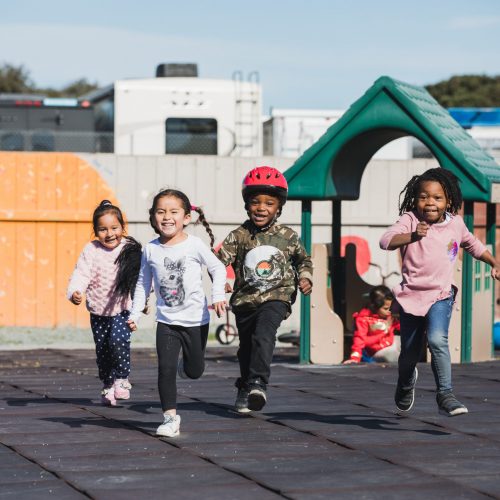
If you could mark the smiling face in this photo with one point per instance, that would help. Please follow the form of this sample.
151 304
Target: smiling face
109 231
431 202
262 209
170 218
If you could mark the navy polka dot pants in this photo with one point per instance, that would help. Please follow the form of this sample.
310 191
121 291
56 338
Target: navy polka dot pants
112 346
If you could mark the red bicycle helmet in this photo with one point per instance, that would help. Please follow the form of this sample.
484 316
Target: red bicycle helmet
265 180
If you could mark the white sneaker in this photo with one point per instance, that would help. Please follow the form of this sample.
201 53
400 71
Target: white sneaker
170 427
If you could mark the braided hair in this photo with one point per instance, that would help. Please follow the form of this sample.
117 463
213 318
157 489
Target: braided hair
449 182
188 208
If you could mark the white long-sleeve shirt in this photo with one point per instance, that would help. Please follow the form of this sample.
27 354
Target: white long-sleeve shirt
175 273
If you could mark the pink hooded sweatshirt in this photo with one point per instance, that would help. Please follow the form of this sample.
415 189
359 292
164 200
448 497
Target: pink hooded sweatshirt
427 264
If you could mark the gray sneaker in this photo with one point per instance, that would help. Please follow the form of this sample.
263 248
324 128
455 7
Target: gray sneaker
449 405
404 398
241 403
256 398
170 427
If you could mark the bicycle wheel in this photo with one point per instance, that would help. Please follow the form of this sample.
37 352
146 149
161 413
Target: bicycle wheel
225 334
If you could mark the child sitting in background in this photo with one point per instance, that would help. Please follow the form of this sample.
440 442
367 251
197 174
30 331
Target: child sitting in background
374 330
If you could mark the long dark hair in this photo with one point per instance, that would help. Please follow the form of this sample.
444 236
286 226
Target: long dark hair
188 208
449 182
129 265
378 296
129 259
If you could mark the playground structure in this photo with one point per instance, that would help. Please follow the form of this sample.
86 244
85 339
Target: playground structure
332 168
48 198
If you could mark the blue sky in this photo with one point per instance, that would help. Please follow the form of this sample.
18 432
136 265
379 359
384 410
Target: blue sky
309 54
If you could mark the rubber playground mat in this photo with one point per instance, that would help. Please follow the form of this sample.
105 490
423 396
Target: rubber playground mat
326 432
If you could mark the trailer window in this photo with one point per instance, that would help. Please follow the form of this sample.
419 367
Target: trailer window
191 136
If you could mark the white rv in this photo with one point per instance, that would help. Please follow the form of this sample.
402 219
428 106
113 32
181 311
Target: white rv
179 113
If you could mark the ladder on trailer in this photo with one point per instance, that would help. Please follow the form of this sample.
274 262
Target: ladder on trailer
247 115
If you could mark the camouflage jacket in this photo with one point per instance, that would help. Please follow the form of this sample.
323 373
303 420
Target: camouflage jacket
267 264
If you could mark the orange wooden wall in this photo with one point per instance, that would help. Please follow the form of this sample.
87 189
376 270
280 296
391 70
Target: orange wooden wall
46 206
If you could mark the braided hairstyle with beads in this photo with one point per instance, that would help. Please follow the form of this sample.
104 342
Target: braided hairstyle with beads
188 208
449 182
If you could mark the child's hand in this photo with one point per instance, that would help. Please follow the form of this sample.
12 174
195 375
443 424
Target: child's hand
76 298
495 273
305 286
350 362
421 230
132 325
220 308
228 288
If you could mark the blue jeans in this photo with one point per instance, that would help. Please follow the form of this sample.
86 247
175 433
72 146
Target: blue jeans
413 336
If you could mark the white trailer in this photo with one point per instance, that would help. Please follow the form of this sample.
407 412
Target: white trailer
289 132
188 115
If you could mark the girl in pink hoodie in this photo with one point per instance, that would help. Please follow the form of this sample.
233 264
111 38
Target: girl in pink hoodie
429 234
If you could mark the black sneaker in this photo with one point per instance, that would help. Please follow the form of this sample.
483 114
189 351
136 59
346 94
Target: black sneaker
449 405
241 403
256 398
404 398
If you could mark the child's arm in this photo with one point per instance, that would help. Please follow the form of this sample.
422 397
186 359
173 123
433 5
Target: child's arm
217 272
358 341
80 277
142 291
487 257
227 254
401 233
228 250
303 265
476 248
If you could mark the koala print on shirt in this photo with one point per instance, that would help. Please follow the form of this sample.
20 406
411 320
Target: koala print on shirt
171 282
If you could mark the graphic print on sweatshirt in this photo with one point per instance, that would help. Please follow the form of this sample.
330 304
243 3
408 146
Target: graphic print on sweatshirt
171 282
264 267
452 250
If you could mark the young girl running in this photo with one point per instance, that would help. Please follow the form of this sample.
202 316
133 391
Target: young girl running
173 264
106 272
429 234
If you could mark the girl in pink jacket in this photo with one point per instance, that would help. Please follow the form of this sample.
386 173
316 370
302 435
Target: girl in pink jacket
106 272
429 234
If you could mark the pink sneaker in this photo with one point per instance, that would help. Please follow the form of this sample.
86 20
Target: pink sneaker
108 396
122 388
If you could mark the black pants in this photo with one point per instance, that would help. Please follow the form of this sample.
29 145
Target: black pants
257 333
112 346
170 339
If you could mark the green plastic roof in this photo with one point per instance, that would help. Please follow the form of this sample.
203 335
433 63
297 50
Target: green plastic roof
333 166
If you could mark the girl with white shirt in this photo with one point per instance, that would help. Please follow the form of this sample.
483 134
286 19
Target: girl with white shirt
172 265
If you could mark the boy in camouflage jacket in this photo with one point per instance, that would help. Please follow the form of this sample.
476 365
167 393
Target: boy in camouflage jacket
269 262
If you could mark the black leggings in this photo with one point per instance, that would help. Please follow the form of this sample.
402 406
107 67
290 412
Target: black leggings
169 341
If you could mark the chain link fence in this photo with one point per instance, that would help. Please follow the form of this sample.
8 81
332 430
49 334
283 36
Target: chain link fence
49 140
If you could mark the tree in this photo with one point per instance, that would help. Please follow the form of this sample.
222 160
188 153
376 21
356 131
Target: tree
467 91
15 79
